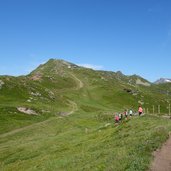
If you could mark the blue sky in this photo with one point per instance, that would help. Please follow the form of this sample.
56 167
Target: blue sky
133 36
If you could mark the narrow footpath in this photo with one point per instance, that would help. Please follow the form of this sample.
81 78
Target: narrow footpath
162 158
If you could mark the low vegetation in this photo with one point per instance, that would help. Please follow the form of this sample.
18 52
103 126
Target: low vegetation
84 143
74 128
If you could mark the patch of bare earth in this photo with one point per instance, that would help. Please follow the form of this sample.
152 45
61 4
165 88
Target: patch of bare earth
36 77
162 158
26 111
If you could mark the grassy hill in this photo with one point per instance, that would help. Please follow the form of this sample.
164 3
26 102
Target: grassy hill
53 139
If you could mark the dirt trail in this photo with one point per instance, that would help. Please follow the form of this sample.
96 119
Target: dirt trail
72 104
74 108
80 84
162 158
162 116
26 127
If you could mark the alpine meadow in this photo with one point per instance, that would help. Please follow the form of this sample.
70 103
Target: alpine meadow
61 117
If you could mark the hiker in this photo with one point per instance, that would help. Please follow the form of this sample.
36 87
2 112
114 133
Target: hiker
120 116
126 113
116 118
140 110
130 112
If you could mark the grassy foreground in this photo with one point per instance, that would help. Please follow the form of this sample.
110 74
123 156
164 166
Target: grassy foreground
84 141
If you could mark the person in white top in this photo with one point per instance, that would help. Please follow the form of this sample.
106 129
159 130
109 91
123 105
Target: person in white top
130 112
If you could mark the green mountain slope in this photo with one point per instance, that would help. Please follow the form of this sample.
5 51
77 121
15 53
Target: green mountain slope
58 89
54 85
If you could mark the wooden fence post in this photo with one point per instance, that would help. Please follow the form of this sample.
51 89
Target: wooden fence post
153 109
158 109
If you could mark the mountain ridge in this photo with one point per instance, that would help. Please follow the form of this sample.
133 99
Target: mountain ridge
62 64
56 82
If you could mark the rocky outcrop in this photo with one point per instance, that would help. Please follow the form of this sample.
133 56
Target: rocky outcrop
1 83
26 110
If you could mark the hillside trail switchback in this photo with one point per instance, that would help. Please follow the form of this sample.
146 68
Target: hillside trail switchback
80 84
74 108
72 104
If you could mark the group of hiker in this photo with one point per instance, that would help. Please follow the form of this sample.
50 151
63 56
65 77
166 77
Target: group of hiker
127 113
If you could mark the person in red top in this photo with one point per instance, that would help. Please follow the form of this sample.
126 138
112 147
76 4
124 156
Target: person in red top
140 110
116 118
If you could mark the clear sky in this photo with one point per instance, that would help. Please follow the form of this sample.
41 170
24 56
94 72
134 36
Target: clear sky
133 36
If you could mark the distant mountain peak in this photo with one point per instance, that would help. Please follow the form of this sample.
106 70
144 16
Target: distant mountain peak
163 80
52 66
119 73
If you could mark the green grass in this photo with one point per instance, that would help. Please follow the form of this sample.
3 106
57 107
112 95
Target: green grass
11 119
82 142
